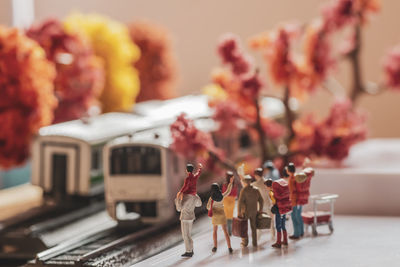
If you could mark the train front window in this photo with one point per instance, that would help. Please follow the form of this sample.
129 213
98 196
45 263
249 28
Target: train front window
136 160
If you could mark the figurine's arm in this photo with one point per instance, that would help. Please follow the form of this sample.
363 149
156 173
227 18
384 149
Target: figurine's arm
178 204
209 204
228 190
271 196
199 169
240 204
260 201
198 202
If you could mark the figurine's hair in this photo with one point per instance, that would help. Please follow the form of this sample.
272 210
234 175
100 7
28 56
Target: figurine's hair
189 167
268 183
291 168
285 173
258 171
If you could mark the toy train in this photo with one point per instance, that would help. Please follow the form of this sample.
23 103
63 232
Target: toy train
131 151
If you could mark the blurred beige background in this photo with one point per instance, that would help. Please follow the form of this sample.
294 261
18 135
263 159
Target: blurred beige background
197 25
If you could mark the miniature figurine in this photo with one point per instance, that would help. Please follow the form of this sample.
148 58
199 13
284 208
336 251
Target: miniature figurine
186 201
270 172
296 209
302 183
281 205
229 201
264 191
247 207
190 184
216 206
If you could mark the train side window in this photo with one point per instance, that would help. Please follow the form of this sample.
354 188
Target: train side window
244 140
118 162
142 160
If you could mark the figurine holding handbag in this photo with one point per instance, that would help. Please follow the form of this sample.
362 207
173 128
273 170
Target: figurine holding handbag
216 211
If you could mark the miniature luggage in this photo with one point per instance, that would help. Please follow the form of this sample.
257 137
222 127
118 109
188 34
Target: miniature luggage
263 221
239 227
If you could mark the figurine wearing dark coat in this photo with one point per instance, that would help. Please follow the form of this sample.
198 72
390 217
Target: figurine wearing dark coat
247 207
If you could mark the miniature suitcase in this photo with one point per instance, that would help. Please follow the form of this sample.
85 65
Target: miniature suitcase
263 221
239 227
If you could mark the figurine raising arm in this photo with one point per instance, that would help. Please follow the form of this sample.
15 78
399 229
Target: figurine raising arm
218 216
190 185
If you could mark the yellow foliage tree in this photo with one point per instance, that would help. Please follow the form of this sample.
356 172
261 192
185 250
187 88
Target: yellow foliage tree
111 42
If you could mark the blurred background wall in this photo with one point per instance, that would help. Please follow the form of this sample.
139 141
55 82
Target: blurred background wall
197 25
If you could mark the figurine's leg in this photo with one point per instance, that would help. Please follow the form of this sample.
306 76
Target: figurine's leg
215 237
253 230
229 224
186 227
277 244
301 222
296 223
228 239
272 226
284 232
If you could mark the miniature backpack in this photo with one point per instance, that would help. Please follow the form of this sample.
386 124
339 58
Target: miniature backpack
303 188
281 193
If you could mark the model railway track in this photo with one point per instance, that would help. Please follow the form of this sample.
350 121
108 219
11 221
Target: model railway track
25 240
82 250
113 246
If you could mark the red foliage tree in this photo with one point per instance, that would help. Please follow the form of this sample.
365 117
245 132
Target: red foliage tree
157 66
27 97
80 74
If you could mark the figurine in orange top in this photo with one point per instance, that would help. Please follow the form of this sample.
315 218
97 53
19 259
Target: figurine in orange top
279 195
229 201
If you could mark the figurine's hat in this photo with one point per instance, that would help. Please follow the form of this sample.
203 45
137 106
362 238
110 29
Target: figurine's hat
247 177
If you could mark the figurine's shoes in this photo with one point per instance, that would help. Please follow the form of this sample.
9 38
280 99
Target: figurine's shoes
230 250
294 237
284 243
187 254
276 245
214 249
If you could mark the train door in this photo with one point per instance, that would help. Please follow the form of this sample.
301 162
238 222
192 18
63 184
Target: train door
60 171
59 175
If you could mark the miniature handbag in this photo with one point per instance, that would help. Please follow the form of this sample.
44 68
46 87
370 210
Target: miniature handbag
210 213
263 221
239 227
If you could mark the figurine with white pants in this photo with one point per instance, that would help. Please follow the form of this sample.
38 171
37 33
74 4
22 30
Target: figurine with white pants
186 207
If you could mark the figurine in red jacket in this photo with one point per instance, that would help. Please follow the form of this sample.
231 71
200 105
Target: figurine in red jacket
190 185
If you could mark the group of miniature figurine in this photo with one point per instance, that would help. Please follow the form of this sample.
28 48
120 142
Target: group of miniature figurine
261 198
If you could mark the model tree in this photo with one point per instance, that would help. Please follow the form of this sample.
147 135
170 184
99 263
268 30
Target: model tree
27 97
157 66
300 60
111 42
80 74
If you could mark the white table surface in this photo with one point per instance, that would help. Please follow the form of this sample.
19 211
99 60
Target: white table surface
357 241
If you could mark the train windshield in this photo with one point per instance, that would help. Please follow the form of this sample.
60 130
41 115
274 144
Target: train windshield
136 160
